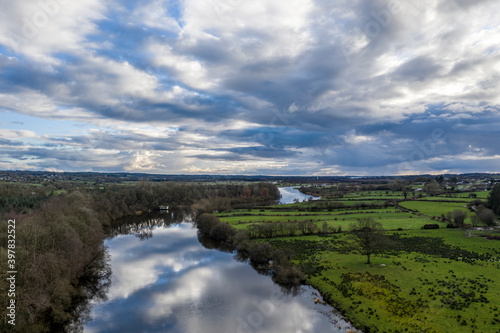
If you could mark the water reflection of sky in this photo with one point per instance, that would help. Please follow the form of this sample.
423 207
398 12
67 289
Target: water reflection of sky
288 194
171 283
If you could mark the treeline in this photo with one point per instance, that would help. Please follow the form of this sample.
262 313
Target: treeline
324 191
338 191
116 201
281 229
261 255
14 197
59 239
323 205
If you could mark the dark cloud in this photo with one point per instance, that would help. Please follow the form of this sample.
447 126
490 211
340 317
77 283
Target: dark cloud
421 68
342 87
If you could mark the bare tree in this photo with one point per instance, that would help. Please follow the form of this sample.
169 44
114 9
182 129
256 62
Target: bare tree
432 188
406 191
459 217
369 236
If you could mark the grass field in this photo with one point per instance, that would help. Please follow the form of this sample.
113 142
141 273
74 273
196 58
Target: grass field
411 291
431 208
442 280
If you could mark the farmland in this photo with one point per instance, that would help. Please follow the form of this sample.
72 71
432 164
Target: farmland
437 280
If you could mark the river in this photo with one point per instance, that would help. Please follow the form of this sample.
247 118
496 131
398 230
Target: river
164 280
289 194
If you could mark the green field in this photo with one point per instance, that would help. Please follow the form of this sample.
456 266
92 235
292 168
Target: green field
442 280
415 292
431 208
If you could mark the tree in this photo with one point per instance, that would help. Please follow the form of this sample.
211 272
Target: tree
494 199
222 232
324 227
260 253
474 220
406 191
206 222
486 215
397 185
459 217
369 236
432 188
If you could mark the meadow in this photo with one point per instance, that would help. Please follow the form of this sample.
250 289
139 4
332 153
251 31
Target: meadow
439 280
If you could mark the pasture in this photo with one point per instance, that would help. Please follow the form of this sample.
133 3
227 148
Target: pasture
440 280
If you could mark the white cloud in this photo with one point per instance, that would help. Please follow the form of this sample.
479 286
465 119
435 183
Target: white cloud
16 134
189 71
39 29
155 14
352 138
214 73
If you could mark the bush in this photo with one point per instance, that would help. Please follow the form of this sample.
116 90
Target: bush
222 232
459 217
206 222
289 276
474 220
431 226
260 253
486 215
239 237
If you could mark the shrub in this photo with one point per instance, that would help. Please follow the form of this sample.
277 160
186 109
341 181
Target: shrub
431 226
486 215
459 217
474 220
206 222
260 253
222 232
289 276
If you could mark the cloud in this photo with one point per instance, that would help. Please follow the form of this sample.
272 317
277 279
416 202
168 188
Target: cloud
16 134
352 138
308 85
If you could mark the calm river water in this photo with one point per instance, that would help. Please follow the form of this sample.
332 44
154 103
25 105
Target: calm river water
164 280
288 194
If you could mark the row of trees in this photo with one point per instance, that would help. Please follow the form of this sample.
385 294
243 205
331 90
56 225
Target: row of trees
277 229
457 218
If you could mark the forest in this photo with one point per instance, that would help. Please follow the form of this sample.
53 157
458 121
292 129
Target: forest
60 257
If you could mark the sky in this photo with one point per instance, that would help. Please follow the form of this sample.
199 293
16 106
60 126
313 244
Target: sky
295 87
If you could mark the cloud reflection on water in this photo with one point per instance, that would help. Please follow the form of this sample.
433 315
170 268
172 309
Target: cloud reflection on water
171 283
